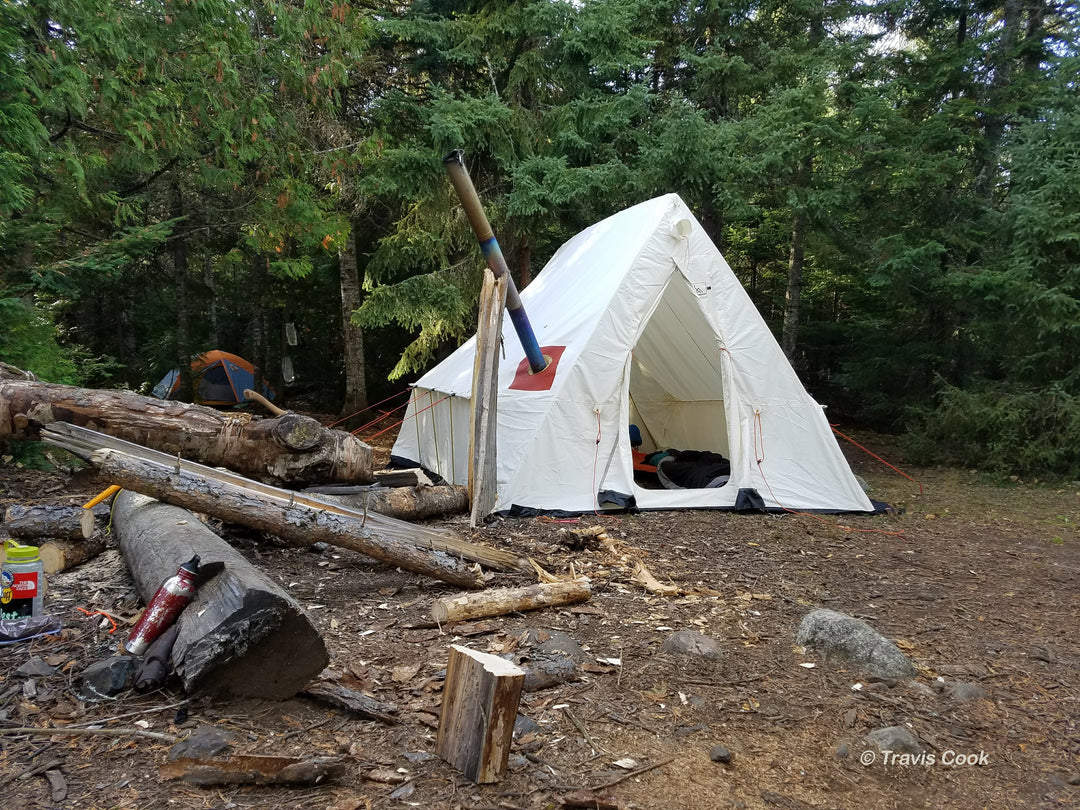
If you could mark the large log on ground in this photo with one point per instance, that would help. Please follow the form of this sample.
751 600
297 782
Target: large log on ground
290 449
241 635
47 520
291 522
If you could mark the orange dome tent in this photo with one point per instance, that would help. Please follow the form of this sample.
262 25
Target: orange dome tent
220 379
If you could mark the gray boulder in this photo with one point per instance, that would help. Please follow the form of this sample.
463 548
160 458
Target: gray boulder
841 636
695 645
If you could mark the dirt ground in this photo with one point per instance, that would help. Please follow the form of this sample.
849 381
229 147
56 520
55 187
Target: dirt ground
977 582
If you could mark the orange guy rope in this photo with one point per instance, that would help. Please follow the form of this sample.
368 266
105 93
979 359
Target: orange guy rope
879 458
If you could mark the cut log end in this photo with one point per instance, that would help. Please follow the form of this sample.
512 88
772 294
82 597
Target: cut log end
62 555
44 520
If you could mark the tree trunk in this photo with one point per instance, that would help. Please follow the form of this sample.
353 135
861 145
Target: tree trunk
291 449
260 272
241 635
208 281
524 262
796 264
296 523
352 334
178 248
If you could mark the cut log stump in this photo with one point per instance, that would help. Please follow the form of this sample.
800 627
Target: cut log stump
44 520
480 702
241 635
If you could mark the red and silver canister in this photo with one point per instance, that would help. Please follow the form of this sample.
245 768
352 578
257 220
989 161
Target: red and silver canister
170 599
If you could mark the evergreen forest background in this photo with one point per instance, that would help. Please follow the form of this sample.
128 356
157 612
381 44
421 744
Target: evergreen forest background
897 184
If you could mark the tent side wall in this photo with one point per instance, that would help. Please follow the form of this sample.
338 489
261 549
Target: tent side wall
435 434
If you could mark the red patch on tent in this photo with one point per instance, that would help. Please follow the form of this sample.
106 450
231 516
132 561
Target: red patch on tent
525 380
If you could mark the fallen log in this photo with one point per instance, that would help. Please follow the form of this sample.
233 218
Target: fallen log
61 555
241 635
289 449
47 520
84 443
500 601
202 493
408 503
411 477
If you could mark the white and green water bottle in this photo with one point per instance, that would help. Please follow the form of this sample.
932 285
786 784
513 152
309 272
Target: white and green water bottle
23 582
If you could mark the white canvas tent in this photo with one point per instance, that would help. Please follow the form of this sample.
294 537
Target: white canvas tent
647 325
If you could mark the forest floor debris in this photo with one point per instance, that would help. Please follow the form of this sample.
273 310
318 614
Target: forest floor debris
978 584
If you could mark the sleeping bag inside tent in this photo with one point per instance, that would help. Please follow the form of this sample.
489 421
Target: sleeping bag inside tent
645 325
220 379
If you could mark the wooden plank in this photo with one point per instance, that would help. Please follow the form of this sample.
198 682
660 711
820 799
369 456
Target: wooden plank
480 702
500 601
484 409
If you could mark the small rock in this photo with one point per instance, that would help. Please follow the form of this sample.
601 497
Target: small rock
836 634
516 762
109 677
35 667
695 645
416 757
549 643
404 792
921 689
1074 779
895 738
963 692
526 725
205 742
719 753
842 750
